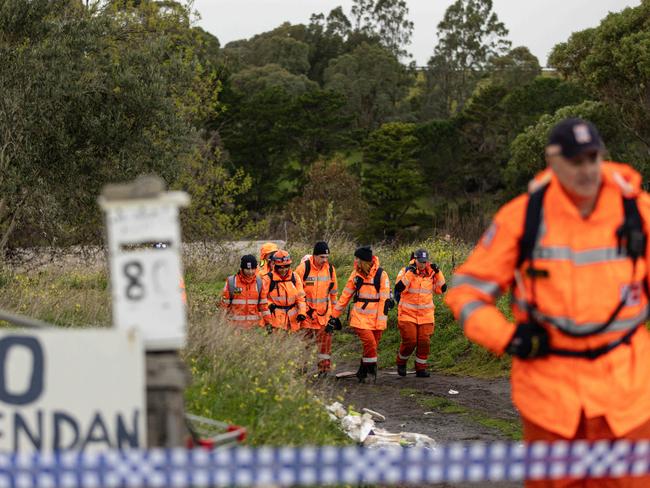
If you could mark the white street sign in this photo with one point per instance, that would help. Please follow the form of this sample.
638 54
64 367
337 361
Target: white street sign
71 389
146 273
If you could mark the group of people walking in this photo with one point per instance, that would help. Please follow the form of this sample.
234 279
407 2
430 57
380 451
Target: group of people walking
270 294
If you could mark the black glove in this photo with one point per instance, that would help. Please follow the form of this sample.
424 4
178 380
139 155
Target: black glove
389 304
272 307
435 268
529 341
332 325
301 318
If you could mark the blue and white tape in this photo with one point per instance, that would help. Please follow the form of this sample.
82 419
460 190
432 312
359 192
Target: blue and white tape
285 466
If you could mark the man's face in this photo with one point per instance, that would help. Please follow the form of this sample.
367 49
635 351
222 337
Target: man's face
420 265
248 272
581 175
282 270
321 259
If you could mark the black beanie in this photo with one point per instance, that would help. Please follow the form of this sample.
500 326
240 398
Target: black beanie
248 262
321 248
364 253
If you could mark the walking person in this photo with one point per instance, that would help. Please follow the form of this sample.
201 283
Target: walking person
574 252
414 291
285 295
368 287
242 296
266 257
318 276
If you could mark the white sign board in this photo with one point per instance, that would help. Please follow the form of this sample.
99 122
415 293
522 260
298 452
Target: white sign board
146 273
71 389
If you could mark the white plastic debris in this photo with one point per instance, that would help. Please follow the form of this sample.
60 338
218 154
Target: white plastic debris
361 428
376 416
453 392
337 409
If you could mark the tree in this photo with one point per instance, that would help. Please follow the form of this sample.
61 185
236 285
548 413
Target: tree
387 20
271 76
516 68
391 177
612 61
330 203
373 82
469 35
528 148
87 97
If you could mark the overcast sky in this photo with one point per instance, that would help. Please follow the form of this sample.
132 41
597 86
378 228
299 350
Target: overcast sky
536 24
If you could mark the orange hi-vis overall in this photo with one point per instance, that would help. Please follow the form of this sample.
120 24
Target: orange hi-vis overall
415 313
242 298
286 300
367 316
321 289
583 277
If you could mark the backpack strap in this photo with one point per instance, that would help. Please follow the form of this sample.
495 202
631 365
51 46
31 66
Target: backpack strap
377 279
231 286
331 269
531 225
260 284
307 270
272 283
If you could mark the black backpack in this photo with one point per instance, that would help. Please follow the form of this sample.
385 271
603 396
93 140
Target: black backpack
308 270
274 283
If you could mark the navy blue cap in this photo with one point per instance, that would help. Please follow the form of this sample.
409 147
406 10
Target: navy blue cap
421 255
575 137
248 262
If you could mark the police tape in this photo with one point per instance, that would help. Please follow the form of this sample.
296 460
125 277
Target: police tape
302 466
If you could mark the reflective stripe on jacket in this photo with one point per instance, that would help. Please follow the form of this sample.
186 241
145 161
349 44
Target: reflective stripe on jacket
365 315
416 300
320 297
289 301
241 298
587 277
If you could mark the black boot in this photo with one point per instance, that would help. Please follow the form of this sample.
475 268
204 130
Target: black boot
401 369
362 373
372 371
422 373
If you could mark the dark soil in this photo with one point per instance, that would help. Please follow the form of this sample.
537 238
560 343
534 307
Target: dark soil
403 401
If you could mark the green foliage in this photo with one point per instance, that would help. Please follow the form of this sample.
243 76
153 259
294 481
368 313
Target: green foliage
470 34
88 97
518 67
373 82
613 61
330 203
387 20
266 129
528 148
269 77
391 177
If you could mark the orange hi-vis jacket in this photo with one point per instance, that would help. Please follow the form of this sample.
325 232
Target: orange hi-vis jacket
365 315
586 279
287 296
416 300
242 298
320 293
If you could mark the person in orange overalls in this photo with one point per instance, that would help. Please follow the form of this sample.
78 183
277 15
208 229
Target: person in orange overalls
369 289
320 284
242 295
414 291
266 258
285 295
574 252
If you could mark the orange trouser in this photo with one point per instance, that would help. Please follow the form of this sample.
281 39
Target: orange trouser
324 347
370 342
414 337
589 429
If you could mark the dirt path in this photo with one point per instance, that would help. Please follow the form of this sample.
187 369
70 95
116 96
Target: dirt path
424 405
